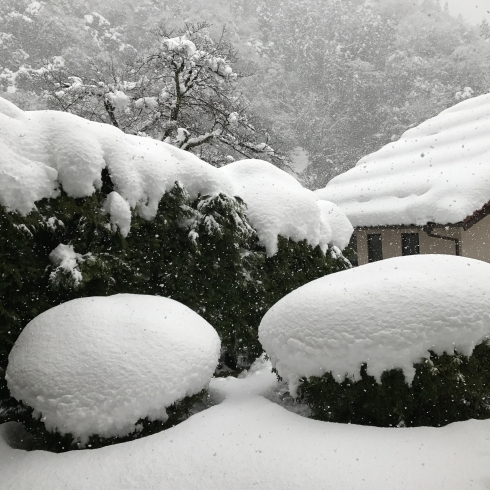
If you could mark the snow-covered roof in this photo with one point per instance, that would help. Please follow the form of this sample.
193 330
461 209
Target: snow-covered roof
97 365
437 172
43 151
388 314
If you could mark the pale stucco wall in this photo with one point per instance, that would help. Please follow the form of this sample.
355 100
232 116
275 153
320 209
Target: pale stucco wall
476 240
431 245
362 251
392 242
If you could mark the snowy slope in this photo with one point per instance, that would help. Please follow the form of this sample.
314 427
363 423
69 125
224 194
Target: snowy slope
97 365
43 151
437 172
387 314
249 442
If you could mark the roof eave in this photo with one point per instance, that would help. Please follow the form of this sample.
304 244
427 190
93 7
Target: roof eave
466 224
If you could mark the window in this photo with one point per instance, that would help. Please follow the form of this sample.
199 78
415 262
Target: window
410 244
353 249
375 247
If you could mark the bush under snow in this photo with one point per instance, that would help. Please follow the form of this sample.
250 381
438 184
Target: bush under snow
388 315
42 152
98 365
87 210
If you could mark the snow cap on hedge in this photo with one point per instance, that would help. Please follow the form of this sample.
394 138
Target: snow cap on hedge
337 221
277 204
388 314
97 365
42 152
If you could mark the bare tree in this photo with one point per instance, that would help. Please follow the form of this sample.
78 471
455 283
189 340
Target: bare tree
183 90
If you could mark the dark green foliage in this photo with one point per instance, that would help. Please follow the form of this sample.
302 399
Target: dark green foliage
446 389
201 252
204 254
198 253
37 437
295 264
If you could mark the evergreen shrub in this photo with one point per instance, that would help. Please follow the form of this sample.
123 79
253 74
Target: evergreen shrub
446 388
201 252
34 435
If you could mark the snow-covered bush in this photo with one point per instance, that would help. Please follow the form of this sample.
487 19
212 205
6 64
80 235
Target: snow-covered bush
401 341
445 389
96 212
98 366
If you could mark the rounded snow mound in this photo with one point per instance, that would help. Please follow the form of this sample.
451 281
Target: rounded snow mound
97 365
387 314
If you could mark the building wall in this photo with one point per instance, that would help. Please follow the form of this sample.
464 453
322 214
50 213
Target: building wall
431 245
476 240
392 241
362 251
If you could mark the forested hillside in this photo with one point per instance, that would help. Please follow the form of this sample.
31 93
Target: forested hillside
337 78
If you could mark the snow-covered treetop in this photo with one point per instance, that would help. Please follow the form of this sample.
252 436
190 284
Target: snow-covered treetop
387 314
42 152
437 172
182 90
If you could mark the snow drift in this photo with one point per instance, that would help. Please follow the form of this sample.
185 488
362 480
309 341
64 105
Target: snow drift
44 152
249 442
437 172
387 314
97 365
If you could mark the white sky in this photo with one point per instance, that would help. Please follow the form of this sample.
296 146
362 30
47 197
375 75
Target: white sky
473 11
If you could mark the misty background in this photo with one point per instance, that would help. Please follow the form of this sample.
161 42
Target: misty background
310 85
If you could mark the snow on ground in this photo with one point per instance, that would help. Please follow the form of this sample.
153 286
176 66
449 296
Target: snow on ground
387 314
249 442
41 151
437 172
99 364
